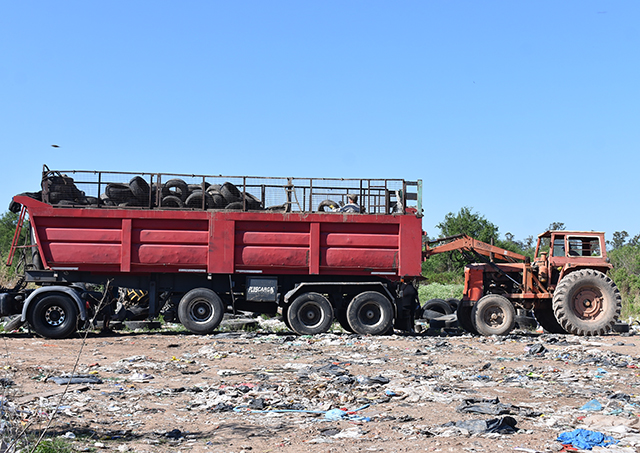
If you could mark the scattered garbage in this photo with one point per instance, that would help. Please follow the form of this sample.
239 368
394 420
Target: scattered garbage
75 379
585 439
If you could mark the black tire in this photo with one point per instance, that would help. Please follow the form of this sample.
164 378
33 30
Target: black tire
200 311
119 193
92 201
171 201
463 314
330 204
310 314
438 305
453 303
370 313
253 203
587 302
230 193
15 323
195 200
493 315
236 206
140 188
547 320
195 187
177 188
341 317
57 197
54 316
285 316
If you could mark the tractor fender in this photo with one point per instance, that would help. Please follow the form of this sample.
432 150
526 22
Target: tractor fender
75 296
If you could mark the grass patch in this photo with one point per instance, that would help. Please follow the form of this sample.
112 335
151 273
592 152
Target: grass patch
440 291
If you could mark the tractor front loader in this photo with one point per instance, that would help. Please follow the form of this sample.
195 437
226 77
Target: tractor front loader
566 285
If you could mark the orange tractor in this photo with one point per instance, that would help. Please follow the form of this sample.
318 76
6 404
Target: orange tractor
566 285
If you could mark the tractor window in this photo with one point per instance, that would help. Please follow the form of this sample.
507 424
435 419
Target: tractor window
584 246
558 246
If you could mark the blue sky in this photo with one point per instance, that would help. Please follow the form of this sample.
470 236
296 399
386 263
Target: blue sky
528 112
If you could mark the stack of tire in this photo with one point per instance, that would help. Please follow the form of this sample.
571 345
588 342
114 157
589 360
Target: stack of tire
176 193
62 191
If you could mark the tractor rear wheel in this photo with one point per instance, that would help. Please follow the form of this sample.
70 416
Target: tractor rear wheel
493 315
587 302
547 320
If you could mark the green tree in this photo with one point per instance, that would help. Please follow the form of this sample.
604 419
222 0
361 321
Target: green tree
469 223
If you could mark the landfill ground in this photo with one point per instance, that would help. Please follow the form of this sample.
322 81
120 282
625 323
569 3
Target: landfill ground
262 391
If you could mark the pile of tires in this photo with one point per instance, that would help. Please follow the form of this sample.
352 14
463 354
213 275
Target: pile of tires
176 193
61 190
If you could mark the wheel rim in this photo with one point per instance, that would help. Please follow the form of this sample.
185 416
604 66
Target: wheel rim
55 316
201 311
370 314
493 316
311 314
588 303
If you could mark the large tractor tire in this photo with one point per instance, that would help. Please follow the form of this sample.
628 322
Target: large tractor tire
493 315
587 302
464 318
547 320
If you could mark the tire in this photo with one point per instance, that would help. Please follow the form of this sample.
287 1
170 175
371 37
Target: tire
587 302
253 203
453 303
341 317
332 205
370 313
57 197
200 311
230 193
195 187
285 316
171 201
54 316
119 193
310 314
438 305
195 200
236 206
140 188
463 314
177 188
547 320
13 324
493 315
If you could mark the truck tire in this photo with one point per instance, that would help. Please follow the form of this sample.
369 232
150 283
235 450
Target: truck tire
438 305
54 316
547 320
230 193
119 193
463 314
200 311
310 314
587 302
13 324
370 313
195 200
176 187
171 201
140 188
493 315
328 206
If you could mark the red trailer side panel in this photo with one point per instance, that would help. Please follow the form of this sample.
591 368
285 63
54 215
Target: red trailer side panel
107 240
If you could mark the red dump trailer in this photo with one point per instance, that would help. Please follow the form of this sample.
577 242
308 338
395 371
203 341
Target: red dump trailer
200 245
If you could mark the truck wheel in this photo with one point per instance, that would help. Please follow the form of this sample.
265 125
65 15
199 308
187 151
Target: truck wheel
171 201
547 320
54 316
230 193
195 200
13 324
200 310
341 317
140 188
370 313
464 318
310 313
587 302
493 315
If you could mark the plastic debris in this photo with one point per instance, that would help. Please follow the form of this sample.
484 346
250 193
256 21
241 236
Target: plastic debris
586 439
75 379
503 425
592 406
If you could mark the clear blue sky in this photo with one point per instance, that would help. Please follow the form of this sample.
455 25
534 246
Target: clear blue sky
528 112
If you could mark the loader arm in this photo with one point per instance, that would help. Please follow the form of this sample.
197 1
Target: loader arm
465 243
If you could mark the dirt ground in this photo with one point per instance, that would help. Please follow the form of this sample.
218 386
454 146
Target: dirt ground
172 391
